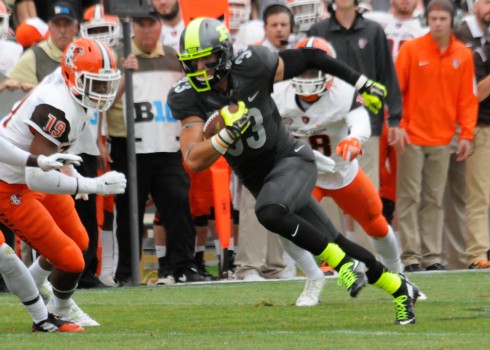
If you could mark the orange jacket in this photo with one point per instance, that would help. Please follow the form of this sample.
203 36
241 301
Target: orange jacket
438 91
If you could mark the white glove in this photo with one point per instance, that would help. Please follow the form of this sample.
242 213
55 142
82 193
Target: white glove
83 196
57 160
324 164
111 182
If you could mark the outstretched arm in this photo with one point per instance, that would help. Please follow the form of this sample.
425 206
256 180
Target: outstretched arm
296 61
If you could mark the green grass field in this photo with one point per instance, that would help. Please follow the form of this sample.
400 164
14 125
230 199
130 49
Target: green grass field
262 315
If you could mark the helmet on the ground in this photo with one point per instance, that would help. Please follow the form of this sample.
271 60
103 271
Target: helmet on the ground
305 12
204 37
97 25
313 83
4 21
90 72
240 11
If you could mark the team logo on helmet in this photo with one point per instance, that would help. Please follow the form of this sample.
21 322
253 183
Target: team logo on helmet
72 55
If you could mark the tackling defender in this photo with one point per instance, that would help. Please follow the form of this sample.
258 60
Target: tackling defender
278 170
48 120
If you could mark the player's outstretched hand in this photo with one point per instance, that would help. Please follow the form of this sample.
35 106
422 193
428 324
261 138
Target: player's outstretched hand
372 92
349 148
111 182
57 160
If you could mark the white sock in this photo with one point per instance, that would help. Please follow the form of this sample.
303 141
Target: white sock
232 244
19 281
161 251
61 303
387 249
303 258
39 275
108 259
217 247
199 248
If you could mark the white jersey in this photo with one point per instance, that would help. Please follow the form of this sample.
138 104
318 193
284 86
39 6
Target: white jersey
397 31
336 115
170 35
51 111
87 142
9 55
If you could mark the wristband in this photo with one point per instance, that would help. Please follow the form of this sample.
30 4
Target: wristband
219 145
361 82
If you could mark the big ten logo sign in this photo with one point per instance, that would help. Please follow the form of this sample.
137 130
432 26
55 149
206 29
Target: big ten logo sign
93 117
155 111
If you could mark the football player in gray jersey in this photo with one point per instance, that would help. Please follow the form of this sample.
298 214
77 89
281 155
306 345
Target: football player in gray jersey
278 170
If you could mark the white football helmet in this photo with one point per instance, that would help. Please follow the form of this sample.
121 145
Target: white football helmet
97 25
313 83
4 21
305 12
240 11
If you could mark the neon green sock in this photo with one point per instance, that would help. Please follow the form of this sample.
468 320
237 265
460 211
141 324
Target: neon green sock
332 255
389 282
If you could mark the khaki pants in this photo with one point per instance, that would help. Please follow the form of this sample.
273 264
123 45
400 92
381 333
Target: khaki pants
422 174
454 202
259 249
478 194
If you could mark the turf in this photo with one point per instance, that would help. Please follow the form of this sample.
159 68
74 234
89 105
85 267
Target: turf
262 315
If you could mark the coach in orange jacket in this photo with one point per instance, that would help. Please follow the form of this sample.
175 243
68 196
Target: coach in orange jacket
436 77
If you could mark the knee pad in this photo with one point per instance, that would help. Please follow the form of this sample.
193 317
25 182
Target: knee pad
70 259
201 221
270 216
377 227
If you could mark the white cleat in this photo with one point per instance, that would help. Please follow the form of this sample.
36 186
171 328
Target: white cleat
73 314
311 293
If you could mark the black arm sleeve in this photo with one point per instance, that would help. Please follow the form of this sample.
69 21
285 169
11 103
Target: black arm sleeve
297 61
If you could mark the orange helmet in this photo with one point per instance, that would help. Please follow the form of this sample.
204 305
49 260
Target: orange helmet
89 69
4 21
313 83
97 25
240 11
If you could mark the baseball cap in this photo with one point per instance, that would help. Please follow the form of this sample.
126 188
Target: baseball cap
152 15
31 31
61 9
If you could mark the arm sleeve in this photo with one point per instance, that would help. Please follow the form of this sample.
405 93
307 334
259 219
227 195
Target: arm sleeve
11 154
50 181
297 61
359 124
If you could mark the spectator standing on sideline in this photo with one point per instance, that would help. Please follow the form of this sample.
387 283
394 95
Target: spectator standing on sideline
400 24
474 33
159 160
10 51
279 170
362 44
43 58
436 75
172 27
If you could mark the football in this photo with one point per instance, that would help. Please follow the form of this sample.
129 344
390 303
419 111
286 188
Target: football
216 122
